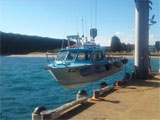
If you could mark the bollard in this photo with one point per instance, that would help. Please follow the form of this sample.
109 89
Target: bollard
81 94
36 113
118 84
96 94
103 84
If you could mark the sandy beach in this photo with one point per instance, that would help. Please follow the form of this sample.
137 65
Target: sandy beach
41 54
131 56
34 54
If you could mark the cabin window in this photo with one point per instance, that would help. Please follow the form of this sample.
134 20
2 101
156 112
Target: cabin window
61 56
83 56
71 56
98 56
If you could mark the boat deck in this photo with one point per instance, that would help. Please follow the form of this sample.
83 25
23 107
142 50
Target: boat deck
138 100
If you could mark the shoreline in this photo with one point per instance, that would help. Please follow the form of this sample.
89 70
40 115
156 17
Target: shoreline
36 54
131 56
44 55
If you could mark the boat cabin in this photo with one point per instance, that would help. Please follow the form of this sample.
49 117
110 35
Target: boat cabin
79 56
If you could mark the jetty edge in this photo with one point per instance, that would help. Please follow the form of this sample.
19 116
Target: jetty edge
136 99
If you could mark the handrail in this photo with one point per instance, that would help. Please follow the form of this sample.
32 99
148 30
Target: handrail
48 54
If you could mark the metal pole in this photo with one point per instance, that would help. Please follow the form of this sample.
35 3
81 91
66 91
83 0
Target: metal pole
141 39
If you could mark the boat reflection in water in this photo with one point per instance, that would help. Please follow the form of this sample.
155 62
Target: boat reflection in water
82 64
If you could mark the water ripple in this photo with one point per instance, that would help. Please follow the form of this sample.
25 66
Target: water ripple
25 85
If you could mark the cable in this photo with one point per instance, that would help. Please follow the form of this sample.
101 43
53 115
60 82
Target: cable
95 13
91 13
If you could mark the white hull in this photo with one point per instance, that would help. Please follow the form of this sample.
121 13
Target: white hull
71 78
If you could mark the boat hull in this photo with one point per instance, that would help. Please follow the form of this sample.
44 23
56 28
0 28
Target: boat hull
75 77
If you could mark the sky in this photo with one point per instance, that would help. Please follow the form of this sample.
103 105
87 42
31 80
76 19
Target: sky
59 18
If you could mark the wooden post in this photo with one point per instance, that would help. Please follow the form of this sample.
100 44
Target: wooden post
55 113
81 94
36 116
98 92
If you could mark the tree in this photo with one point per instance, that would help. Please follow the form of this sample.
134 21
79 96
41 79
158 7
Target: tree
123 47
23 44
115 44
157 46
129 47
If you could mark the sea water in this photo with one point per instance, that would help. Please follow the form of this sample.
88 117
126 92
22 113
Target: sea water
25 84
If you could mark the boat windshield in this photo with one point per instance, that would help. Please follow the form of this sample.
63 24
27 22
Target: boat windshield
71 56
61 56
97 56
84 56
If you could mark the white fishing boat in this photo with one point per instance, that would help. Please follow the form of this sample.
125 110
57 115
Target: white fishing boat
83 63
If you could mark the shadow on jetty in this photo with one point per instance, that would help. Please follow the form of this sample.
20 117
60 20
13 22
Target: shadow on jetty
75 111
142 83
111 101
108 92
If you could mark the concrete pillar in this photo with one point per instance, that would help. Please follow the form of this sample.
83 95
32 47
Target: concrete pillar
142 39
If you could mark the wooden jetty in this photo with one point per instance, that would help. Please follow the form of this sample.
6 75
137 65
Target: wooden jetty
137 100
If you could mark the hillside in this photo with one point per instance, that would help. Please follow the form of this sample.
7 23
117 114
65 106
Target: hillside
23 44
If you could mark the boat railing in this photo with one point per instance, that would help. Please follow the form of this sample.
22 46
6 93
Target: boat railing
50 57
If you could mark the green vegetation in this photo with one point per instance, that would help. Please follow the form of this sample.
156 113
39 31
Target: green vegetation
157 46
117 46
131 53
120 53
54 50
154 54
24 44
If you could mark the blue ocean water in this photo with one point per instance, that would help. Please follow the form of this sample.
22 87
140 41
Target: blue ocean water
24 85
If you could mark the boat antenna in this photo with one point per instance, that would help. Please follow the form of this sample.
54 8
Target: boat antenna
62 44
63 41
82 29
64 34
86 32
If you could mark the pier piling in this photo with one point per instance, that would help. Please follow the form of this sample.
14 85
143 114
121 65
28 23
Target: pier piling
141 39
